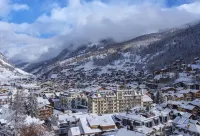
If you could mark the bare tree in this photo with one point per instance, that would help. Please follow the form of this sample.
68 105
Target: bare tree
34 130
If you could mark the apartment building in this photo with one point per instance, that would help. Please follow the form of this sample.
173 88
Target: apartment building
110 101
73 98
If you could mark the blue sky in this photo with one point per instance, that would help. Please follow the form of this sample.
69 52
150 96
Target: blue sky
38 7
35 30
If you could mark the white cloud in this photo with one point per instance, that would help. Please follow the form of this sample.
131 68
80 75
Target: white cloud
17 7
7 6
90 21
94 20
22 46
192 8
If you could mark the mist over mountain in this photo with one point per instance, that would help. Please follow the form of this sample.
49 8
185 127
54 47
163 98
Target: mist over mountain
146 52
60 25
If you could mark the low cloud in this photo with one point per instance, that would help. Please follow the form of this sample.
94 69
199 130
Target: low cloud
81 21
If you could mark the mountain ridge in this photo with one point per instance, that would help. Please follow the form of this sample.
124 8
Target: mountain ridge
146 52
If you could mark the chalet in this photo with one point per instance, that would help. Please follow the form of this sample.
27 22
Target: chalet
196 94
162 78
4 96
188 68
185 126
195 102
188 95
63 122
179 97
192 85
45 110
179 84
165 71
197 77
4 99
146 101
189 108
173 104
166 89
188 115
152 85
156 72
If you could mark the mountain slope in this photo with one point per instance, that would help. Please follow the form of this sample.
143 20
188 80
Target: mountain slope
8 71
103 55
183 45
147 52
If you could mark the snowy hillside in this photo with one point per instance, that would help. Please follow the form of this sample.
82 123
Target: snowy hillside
103 55
8 71
146 52
185 44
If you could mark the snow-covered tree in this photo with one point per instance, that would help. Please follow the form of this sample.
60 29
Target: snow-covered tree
159 97
32 105
18 106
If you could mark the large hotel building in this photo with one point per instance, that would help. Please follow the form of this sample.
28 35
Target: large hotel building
109 101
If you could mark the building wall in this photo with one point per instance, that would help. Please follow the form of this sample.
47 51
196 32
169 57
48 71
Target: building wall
45 112
73 100
119 102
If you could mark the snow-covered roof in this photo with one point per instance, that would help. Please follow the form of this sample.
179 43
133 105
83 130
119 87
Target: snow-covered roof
191 125
3 121
125 132
30 120
3 97
196 102
184 79
54 76
49 95
104 120
188 107
187 115
42 102
92 88
180 120
30 86
136 117
5 112
75 131
64 118
86 128
146 98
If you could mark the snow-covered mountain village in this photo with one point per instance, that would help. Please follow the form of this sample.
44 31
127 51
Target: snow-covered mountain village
164 102
99 68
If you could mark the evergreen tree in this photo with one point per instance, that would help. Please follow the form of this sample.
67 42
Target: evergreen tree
159 97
